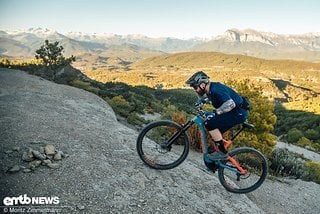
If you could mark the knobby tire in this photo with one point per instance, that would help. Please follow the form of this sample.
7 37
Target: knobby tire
251 160
149 145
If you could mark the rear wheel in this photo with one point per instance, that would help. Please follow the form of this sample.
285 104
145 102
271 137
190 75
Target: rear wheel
250 160
153 149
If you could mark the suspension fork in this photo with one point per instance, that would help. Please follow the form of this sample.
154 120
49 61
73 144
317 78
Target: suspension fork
185 127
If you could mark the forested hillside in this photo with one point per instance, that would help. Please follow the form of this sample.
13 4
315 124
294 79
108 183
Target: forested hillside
292 85
221 66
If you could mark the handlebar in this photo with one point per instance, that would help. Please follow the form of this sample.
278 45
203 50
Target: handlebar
201 102
199 105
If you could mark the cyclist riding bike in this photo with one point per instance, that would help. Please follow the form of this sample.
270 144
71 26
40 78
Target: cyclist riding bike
230 109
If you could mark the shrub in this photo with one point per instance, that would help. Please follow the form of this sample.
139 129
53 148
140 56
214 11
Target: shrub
285 163
294 135
121 106
312 134
84 85
312 171
303 142
193 132
134 119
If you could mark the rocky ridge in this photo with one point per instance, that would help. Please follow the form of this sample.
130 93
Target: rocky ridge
309 41
103 173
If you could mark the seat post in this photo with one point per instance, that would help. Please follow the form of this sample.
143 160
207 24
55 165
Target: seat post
244 125
234 136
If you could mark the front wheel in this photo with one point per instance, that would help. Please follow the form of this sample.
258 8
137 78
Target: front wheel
153 149
250 160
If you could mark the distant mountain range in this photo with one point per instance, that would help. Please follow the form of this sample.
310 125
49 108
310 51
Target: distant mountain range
23 43
265 45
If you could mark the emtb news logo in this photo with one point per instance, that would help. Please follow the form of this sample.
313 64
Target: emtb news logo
25 200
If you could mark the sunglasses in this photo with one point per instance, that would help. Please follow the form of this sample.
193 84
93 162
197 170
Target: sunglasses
195 87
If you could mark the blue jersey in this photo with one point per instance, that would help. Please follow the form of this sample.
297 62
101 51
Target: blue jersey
220 93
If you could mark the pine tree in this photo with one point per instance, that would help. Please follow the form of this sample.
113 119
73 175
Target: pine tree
51 55
261 116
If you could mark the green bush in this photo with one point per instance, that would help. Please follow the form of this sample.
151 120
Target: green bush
134 119
294 136
121 106
312 171
286 163
303 142
84 85
312 134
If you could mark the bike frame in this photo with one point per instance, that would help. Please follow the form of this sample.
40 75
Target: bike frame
204 143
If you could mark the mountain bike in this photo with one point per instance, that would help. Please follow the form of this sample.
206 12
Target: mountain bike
164 145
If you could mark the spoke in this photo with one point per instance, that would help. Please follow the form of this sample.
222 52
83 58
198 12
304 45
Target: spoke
254 165
155 148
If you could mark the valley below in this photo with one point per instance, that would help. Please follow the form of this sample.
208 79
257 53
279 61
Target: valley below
290 83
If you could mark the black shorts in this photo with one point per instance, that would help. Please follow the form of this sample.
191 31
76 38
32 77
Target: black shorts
225 121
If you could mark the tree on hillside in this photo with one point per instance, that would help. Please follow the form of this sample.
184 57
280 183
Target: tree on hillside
51 55
4 62
261 115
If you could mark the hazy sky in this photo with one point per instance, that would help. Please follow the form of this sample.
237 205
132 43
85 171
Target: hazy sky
155 18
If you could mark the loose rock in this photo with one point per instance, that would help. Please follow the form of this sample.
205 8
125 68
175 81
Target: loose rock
38 155
53 165
50 149
58 156
14 169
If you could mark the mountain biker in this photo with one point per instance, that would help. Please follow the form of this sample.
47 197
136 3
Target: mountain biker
230 109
